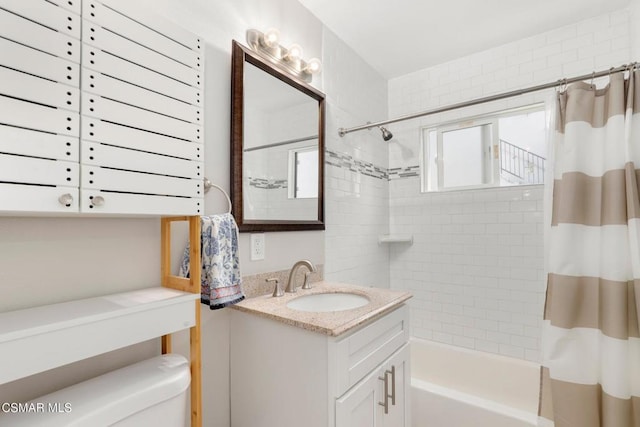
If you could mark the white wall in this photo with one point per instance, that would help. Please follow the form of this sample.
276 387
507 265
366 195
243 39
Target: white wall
476 265
45 260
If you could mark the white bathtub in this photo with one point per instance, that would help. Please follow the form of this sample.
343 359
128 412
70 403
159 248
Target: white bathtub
456 387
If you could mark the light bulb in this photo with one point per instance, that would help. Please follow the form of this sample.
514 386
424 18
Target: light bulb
313 66
294 52
271 37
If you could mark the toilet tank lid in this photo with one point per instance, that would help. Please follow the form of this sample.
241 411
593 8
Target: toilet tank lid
111 397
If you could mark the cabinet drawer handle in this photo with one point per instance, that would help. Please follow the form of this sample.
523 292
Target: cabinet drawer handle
386 392
393 384
385 378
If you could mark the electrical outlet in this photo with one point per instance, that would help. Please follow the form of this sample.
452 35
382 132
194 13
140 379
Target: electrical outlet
257 246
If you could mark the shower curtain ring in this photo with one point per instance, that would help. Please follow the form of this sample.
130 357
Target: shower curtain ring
593 76
563 87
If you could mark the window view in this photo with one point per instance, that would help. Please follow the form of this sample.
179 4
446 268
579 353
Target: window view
304 170
507 148
468 155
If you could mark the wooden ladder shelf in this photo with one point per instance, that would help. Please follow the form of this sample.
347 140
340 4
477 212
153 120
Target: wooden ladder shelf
191 284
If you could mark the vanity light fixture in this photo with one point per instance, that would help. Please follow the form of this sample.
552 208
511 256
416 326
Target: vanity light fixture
289 59
270 38
294 53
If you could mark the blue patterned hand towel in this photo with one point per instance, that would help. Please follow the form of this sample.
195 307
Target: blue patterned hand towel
221 280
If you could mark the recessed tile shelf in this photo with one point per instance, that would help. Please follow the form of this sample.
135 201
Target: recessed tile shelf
396 238
41 338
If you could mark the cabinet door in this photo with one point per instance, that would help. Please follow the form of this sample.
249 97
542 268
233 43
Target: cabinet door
360 407
397 370
39 105
142 135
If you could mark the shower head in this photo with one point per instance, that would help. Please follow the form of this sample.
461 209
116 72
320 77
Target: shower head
386 135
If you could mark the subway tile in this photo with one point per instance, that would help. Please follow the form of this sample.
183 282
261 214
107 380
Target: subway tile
534 217
511 328
588 26
619 18
523 206
525 342
474 313
486 325
452 329
498 337
577 42
498 315
578 67
547 50
595 49
475 333
563 57
561 34
552 73
519 58
512 351
487 346
532 331
531 43
442 337
507 239
523 228
466 342
532 355
479 252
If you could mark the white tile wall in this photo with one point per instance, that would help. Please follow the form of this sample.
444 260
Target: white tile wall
476 265
356 205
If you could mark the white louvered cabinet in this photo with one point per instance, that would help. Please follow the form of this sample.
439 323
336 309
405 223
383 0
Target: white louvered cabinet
114 125
142 130
39 106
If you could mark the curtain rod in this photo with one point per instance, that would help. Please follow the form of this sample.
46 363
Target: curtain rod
277 144
344 131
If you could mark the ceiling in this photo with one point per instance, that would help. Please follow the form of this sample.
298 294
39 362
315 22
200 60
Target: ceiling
401 36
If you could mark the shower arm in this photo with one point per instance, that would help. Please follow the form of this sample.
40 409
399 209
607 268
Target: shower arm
562 82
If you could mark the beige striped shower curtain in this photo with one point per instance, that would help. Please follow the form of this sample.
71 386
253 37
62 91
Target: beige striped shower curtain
590 339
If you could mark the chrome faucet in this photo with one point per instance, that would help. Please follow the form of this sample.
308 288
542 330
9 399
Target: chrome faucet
291 283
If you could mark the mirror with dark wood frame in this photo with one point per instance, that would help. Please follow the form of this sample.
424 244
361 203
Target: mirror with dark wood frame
277 147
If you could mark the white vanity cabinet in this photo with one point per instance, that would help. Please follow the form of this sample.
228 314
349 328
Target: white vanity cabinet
374 402
286 376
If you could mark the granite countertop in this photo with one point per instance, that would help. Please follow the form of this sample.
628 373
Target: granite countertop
332 323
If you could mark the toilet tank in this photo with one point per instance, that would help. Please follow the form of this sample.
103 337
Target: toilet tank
150 393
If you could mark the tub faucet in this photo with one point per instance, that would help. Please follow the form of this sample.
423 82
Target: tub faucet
291 283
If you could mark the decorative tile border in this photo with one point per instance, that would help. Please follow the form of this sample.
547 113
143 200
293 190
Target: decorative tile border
346 161
268 184
404 172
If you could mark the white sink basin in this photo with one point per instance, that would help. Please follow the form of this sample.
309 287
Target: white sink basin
328 302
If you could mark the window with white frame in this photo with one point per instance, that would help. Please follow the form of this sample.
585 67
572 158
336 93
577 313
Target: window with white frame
500 149
303 172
